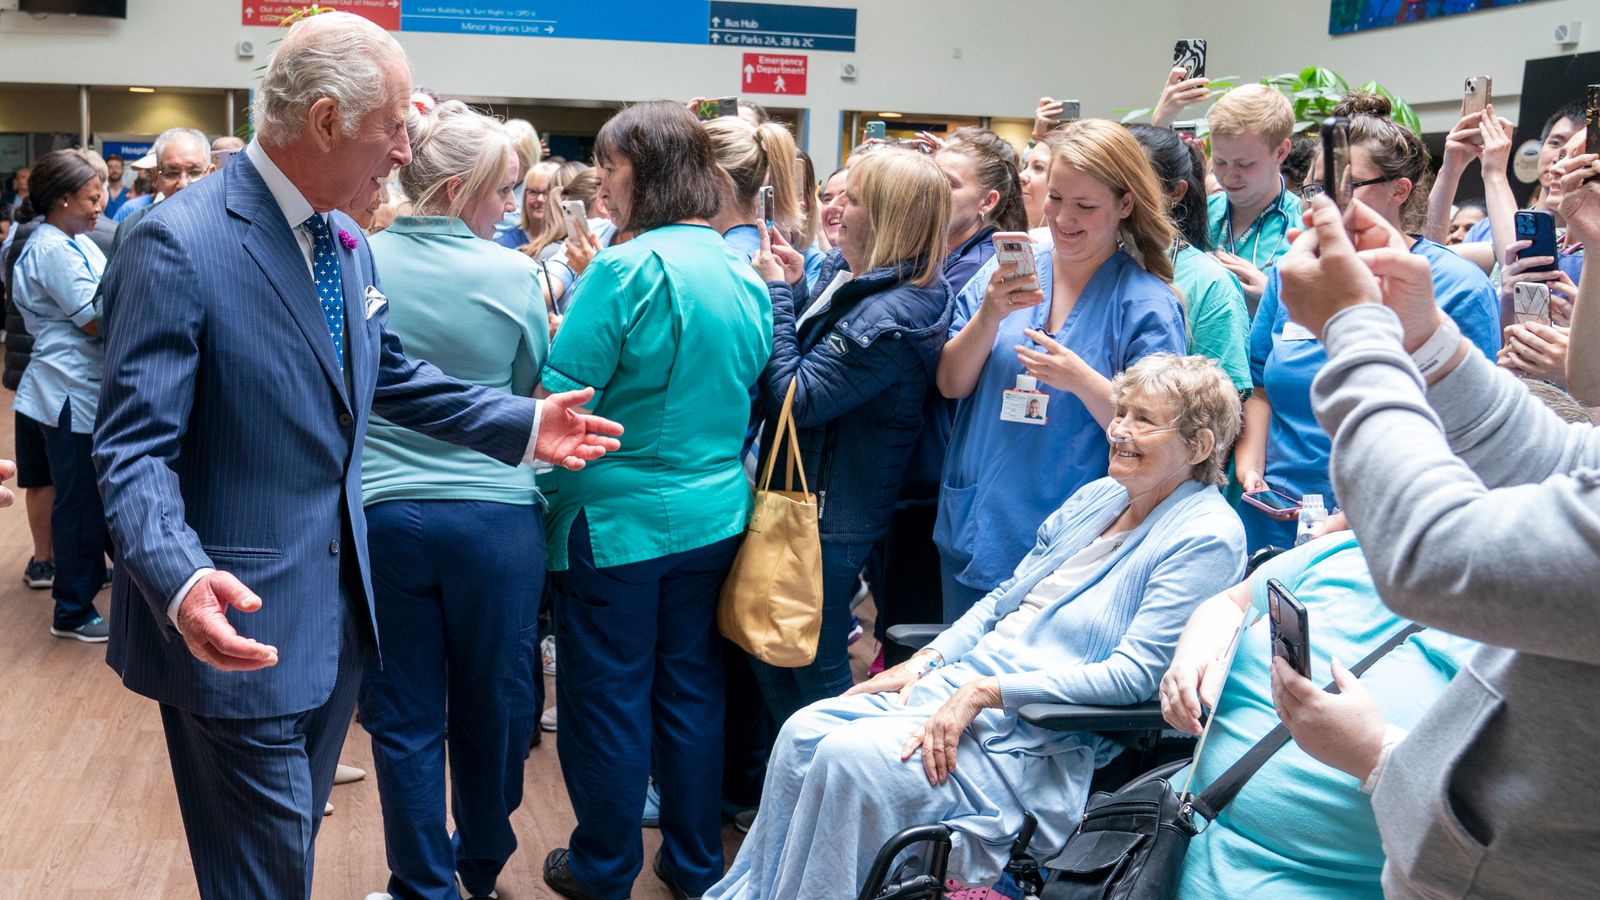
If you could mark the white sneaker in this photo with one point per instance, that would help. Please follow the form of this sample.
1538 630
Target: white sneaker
547 653
327 809
547 722
379 895
348 774
462 890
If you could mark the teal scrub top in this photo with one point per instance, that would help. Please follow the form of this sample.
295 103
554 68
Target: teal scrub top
1298 828
671 329
1219 321
474 309
1265 240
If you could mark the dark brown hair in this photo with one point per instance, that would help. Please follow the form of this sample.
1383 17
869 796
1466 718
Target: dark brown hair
995 163
1395 150
57 174
675 171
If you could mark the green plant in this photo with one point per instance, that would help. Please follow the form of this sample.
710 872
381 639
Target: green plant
1313 92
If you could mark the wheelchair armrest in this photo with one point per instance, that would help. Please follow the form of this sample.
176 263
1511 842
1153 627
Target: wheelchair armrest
1103 719
914 636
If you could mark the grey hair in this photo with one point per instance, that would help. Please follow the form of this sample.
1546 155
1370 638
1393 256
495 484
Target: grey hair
166 139
454 141
1203 396
335 55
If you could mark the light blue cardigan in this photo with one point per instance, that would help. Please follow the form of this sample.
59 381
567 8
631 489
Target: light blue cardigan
1109 641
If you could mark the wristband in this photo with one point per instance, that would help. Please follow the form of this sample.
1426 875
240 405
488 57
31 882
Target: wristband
1438 349
1392 736
930 662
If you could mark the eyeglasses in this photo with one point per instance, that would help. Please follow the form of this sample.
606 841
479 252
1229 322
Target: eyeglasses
1312 188
1133 430
194 174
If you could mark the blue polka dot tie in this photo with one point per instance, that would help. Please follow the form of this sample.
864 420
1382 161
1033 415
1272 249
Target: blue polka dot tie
330 286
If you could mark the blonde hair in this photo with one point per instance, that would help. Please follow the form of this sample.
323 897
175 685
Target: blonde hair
1109 153
907 199
454 142
757 155
1253 109
526 139
538 170
1202 394
564 183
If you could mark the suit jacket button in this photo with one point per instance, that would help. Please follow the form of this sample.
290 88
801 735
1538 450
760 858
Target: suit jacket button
345 420
333 548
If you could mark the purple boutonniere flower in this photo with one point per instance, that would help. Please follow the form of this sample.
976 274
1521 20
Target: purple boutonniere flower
345 239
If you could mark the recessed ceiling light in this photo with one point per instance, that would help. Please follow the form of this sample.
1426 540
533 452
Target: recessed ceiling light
142 90
887 115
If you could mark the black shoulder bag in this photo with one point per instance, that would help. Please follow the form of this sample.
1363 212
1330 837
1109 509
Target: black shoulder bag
1131 842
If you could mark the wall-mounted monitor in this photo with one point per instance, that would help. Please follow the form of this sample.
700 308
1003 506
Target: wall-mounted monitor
111 9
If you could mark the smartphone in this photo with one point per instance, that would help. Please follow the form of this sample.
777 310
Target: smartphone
716 109
765 199
1290 628
223 157
1279 506
1336 160
1070 111
577 217
1015 249
878 130
1191 54
1190 130
1540 228
1475 96
1531 302
1592 117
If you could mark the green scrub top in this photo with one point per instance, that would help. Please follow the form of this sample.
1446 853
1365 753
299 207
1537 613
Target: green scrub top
1265 240
671 329
1219 321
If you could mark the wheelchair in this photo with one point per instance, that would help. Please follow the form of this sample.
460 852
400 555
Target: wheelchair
1150 751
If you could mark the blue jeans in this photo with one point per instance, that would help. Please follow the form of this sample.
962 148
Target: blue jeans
456 585
790 690
77 524
641 671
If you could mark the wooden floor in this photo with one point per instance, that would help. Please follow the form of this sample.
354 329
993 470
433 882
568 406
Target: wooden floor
87 808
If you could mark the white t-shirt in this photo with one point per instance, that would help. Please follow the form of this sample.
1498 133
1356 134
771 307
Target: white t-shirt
1067 577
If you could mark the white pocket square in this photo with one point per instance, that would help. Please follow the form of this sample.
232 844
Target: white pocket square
375 301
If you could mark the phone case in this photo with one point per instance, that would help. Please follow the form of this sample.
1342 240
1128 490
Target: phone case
1070 110
1015 249
1531 302
1290 628
877 130
1191 54
1540 228
1475 96
1282 515
1592 117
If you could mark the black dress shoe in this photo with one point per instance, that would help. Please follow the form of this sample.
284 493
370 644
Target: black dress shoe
678 893
558 874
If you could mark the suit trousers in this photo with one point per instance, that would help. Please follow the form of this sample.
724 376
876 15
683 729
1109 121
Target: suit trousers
251 791
77 524
641 669
457 587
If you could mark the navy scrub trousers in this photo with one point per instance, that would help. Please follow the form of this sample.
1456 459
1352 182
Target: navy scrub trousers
641 671
77 524
456 585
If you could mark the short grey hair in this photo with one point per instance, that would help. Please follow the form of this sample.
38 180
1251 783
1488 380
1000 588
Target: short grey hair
335 55
1203 396
172 135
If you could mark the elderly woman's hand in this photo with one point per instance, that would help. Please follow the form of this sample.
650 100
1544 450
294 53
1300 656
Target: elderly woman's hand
1343 730
1055 365
898 679
939 737
1190 682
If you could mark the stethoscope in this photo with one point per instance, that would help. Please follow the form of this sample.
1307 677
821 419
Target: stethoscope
1255 250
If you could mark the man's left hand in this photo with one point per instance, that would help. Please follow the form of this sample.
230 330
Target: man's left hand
939 737
569 436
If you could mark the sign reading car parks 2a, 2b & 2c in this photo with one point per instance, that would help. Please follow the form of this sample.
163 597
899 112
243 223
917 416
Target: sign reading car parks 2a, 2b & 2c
746 25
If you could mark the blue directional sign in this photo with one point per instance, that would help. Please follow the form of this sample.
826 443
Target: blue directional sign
656 21
774 26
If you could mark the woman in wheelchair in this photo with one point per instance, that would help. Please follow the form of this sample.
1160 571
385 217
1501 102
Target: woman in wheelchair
1091 615
1298 828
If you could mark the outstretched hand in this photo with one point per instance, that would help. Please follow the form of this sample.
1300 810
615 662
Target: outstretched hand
8 471
203 622
569 436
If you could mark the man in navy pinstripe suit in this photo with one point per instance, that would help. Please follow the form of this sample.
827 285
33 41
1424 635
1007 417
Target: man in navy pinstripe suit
245 351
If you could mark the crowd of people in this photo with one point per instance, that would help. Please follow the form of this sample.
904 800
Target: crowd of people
1065 452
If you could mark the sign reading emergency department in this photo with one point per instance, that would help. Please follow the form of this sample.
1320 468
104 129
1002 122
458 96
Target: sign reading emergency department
749 25
768 73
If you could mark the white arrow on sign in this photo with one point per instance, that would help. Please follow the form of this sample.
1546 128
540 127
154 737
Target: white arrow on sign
715 37
549 29
716 21
249 12
749 73
393 3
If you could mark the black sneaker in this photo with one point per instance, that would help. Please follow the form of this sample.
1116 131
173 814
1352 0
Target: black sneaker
558 874
678 893
39 575
94 631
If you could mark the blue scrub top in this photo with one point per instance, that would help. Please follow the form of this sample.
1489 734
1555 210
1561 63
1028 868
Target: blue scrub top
511 238
744 240
1003 479
1297 447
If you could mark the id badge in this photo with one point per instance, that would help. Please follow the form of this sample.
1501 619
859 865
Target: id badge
1294 331
1025 404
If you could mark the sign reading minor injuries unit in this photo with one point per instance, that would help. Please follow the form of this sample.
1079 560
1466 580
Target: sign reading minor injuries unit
770 73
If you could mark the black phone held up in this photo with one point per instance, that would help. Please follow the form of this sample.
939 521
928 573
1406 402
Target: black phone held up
1190 53
1591 116
1336 160
1290 628
1539 227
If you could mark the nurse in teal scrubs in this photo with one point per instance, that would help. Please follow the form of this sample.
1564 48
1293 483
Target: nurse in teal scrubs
1092 311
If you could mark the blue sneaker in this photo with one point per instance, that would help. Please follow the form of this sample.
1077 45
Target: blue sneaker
652 807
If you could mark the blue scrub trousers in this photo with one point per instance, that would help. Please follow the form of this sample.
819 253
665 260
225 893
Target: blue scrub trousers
641 671
456 585
958 597
77 524
789 690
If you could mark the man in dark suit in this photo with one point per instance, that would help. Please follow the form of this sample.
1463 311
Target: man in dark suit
246 349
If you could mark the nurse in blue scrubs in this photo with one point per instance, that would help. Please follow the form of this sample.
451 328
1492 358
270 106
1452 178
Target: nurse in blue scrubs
1283 447
1092 311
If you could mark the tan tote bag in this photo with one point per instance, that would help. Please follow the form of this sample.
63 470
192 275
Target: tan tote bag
771 602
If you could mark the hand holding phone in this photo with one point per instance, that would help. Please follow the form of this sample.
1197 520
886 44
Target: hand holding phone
1539 229
1190 53
577 217
766 202
1290 628
1591 116
1015 250
1531 302
1281 507
1336 160
1475 98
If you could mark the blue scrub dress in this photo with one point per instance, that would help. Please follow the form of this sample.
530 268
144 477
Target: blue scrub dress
1284 367
1002 479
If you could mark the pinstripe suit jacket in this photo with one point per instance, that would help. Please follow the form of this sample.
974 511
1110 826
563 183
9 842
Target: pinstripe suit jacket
228 436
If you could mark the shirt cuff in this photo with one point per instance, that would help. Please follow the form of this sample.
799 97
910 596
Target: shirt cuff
533 439
1392 736
177 599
